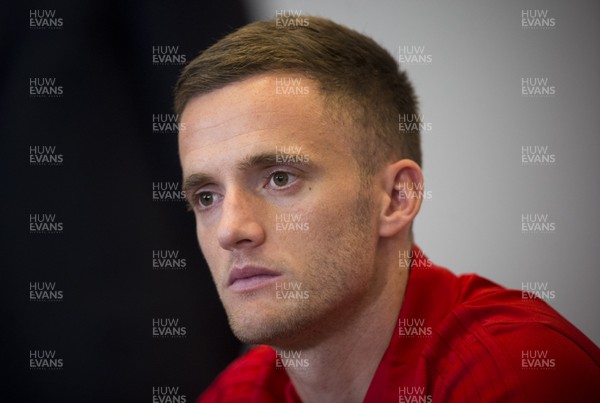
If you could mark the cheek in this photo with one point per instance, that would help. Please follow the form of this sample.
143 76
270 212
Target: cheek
342 218
329 212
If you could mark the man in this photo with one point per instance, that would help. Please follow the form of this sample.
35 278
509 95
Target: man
304 188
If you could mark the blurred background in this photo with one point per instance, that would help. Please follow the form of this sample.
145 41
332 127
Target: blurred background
99 266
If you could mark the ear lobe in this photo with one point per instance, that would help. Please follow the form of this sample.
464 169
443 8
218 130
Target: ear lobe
404 188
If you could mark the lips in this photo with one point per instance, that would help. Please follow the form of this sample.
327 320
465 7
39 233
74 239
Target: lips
248 278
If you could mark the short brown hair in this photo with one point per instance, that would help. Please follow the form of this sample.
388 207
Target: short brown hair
358 77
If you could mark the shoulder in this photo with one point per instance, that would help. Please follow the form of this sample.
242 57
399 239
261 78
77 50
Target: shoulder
253 377
506 343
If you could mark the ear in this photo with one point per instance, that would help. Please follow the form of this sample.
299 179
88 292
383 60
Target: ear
403 184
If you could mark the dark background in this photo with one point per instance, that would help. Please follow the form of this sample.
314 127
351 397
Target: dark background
102 193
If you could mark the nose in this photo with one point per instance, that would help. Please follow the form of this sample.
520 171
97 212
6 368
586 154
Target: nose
239 225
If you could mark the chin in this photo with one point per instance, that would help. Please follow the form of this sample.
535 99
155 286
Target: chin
273 330
254 335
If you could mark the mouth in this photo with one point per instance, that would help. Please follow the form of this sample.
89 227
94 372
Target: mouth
249 278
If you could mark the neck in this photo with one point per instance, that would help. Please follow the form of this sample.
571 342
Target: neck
340 368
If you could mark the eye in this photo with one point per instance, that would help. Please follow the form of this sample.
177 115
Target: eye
205 199
281 179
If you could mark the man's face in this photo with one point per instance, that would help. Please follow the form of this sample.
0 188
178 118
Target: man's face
287 231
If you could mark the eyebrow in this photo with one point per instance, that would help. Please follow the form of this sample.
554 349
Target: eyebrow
251 161
265 159
195 180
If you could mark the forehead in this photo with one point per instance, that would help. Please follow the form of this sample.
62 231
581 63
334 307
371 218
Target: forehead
260 112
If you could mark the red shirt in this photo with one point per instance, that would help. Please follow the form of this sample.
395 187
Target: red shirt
458 339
